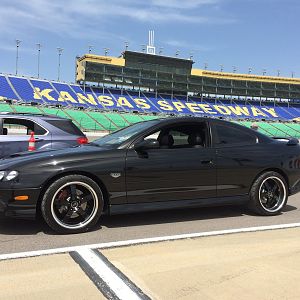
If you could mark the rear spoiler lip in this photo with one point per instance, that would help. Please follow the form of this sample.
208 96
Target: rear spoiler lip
291 141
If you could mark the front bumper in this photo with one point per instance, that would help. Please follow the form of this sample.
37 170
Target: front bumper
9 207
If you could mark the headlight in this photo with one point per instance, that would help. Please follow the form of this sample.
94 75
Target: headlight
2 174
8 175
11 175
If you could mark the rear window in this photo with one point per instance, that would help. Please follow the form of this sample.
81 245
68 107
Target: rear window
66 126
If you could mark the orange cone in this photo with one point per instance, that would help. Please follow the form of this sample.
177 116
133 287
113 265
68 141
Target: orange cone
31 145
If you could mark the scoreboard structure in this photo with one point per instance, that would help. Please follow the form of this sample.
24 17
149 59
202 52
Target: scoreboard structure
176 76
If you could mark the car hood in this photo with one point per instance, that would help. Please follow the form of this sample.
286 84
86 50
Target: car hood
67 153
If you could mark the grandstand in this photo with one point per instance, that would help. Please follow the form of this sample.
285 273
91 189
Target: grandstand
112 93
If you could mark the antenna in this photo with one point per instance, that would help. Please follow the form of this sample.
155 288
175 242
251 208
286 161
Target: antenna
150 46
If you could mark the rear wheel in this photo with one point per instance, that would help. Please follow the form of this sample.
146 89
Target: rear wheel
72 204
268 194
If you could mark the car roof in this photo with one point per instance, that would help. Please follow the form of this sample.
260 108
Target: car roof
190 119
173 120
32 116
197 119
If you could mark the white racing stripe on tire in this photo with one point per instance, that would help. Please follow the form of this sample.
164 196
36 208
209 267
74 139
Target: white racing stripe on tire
115 283
145 241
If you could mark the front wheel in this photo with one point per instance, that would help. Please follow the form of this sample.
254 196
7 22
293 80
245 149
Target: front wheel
72 204
268 194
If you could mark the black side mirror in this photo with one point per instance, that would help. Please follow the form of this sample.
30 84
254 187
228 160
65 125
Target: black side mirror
292 142
146 145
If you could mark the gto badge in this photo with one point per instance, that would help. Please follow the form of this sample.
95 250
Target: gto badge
115 175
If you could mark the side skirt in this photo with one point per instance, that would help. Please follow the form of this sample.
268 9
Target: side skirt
152 206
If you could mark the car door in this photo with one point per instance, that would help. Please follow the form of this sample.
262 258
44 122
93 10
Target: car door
240 158
179 172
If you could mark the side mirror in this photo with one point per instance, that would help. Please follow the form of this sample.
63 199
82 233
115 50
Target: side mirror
292 142
146 145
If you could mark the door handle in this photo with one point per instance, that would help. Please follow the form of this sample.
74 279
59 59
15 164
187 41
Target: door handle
206 162
38 140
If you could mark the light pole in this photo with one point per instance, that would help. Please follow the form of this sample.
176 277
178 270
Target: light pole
38 62
18 42
221 68
106 51
126 45
293 74
90 48
278 73
59 50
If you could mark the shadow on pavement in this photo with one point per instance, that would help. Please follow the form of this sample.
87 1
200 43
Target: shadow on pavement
178 215
12 226
289 208
9 226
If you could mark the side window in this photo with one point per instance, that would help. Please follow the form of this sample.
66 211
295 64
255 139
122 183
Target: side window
154 136
229 136
38 130
13 126
180 139
194 135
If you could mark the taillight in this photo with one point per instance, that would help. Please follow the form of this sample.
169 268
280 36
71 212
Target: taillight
82 140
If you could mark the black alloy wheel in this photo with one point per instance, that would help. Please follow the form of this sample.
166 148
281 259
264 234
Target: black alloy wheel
272 193
268 194
72 204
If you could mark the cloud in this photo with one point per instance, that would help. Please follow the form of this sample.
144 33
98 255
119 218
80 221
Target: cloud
187 45
188 4
10 48
86 18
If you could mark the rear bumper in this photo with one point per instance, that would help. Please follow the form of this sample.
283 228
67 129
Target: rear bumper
9 207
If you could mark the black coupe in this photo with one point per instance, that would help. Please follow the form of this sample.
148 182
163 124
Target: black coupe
158 164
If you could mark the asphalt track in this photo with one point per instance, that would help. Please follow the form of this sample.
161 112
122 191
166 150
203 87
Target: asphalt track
21 236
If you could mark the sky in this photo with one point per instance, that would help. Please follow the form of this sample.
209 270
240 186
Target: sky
256 34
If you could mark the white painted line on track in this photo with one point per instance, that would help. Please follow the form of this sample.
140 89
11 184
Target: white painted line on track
115 283
145 241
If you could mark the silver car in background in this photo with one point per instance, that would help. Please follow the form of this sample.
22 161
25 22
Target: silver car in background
50 131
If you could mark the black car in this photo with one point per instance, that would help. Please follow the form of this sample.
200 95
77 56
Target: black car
158 164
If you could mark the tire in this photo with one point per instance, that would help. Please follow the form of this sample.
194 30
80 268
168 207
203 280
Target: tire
72 204
265 198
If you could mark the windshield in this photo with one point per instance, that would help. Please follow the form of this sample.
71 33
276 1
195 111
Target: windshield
115 139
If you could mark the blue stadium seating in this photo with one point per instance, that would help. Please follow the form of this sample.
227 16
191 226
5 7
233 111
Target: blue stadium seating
133 95
291 110
49 96
98 98
152 101
111 103
179 104
23 88
5 90
66 93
